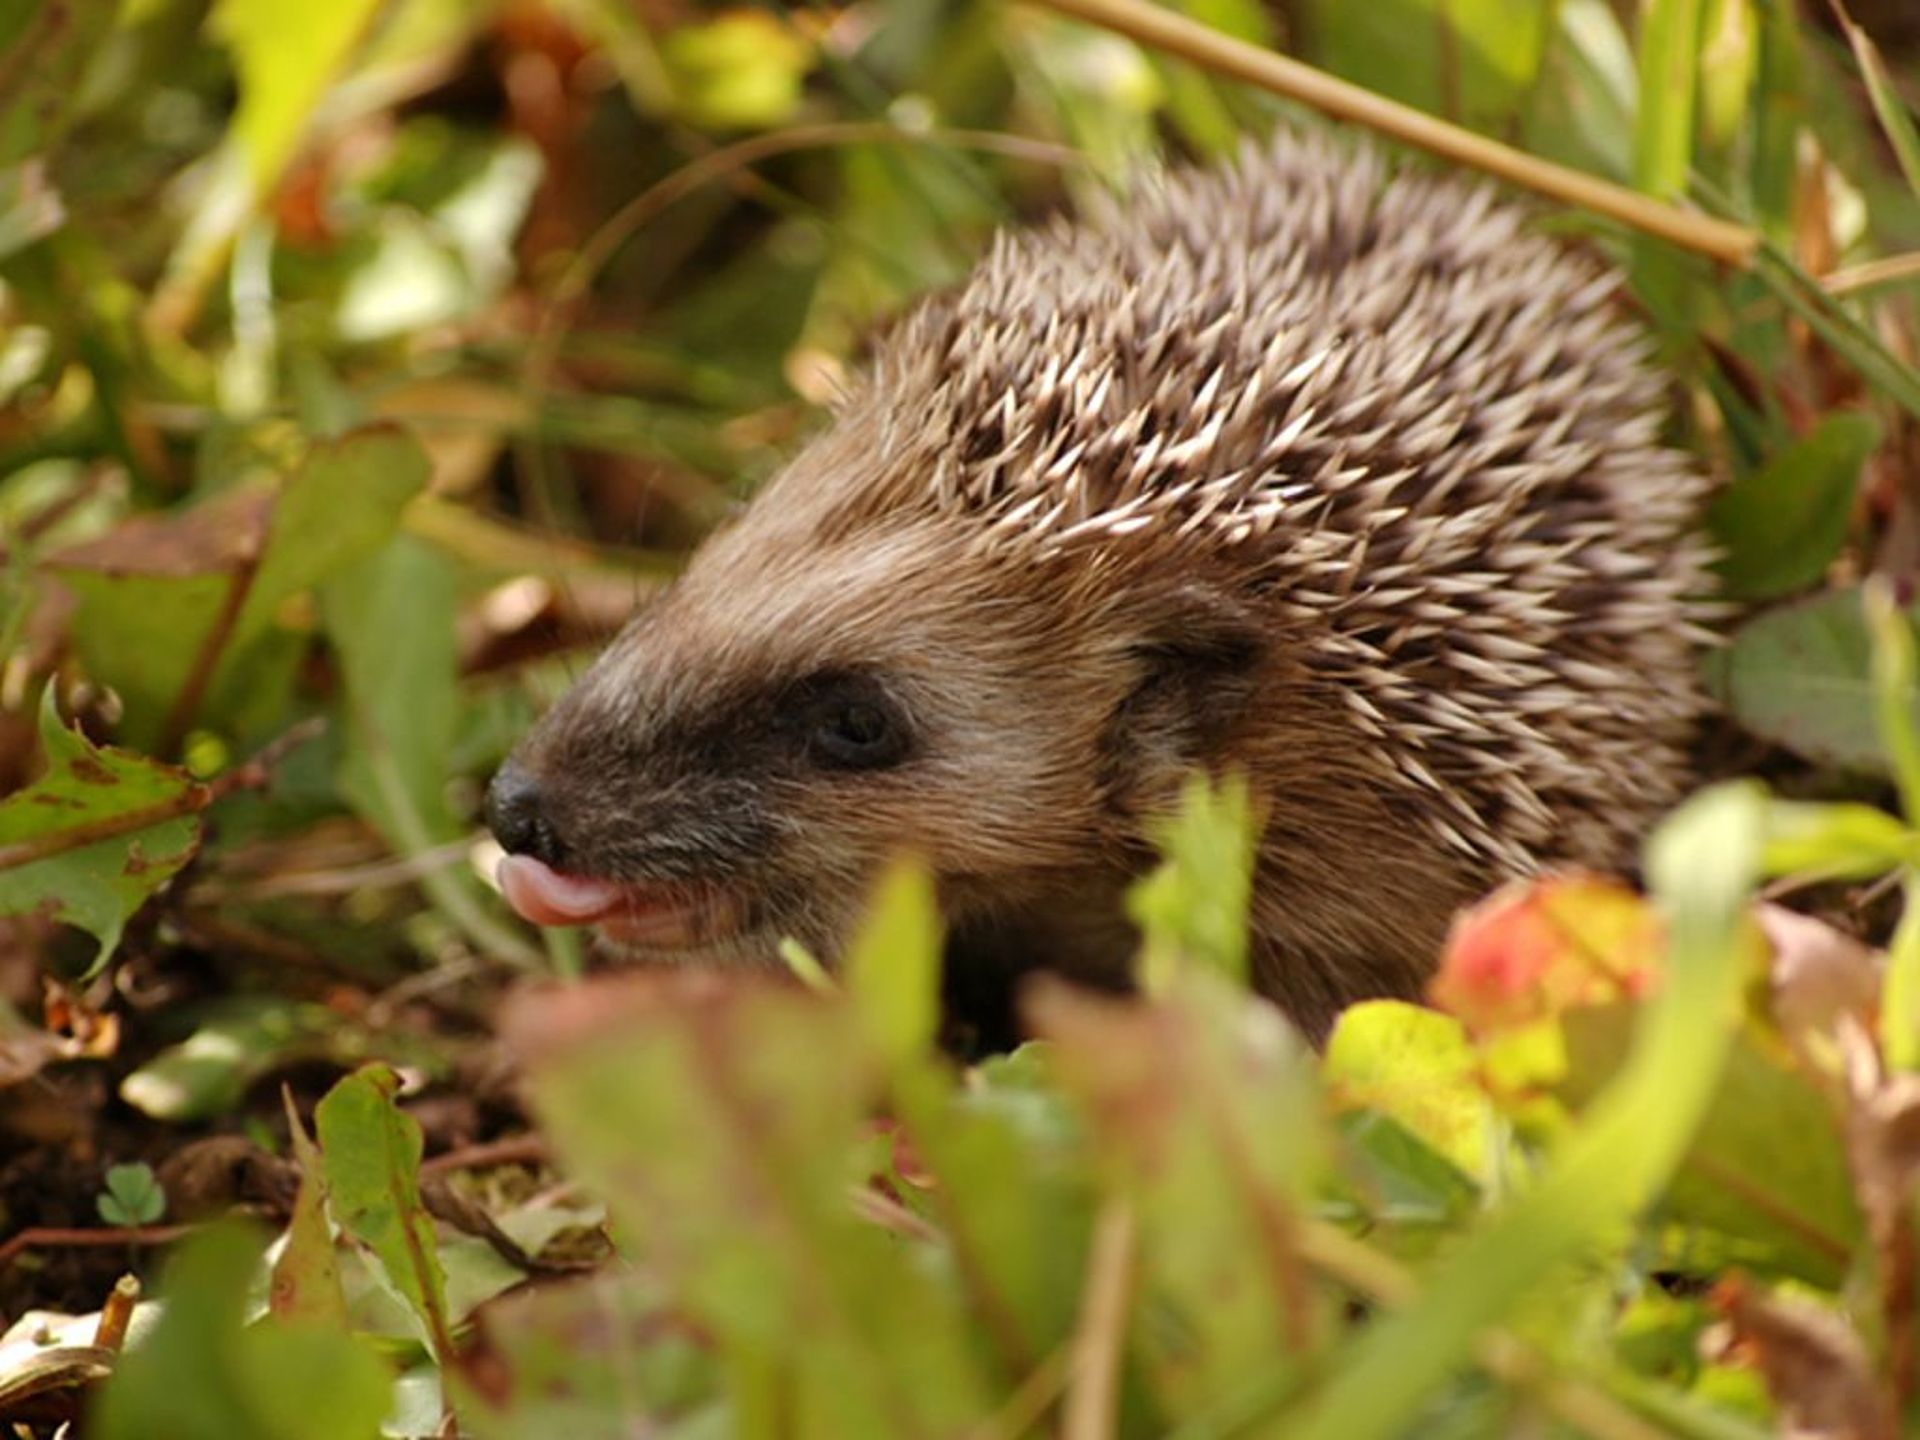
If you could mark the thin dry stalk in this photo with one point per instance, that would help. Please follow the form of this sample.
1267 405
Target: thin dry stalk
1201 45
1092 1404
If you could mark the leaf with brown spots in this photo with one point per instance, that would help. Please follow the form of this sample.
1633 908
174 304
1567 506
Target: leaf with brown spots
96 835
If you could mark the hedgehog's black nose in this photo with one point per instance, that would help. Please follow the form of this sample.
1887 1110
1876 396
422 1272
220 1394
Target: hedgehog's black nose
516 814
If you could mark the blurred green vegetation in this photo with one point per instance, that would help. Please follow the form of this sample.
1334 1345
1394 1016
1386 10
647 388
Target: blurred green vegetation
363 365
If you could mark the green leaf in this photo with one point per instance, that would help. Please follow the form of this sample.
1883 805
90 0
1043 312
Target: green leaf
1416 1066
305 1284
1767 1169
733 1192
893 966
1889 106
372 1162
340 506
198 1374
1781 527
1669 64
1208 1127
391 618
1835 841
147 811
154 593
741 69
1701 863
1193 909
45 50
1892 666
284 57
1474 61
1900 998
132 1197
1801 676
208 1073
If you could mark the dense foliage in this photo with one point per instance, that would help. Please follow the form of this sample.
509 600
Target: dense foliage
362 365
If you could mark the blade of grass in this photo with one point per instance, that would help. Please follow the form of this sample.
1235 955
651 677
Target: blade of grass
1829 319
1669 81
1888 105
1893 678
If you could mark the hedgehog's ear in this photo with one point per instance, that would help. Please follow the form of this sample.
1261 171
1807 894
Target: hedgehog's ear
1198 655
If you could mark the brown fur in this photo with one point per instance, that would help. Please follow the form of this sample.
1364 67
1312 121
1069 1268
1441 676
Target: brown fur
1343 480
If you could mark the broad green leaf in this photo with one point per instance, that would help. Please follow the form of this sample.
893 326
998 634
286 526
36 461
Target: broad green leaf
391 618
1801 676
1012 1190
146 812
305 1284
1767 1169
153 592
1780 528
197 1373
1581 109
893 967
372 1162
1415 1065
207 1073
1395 1179
341 505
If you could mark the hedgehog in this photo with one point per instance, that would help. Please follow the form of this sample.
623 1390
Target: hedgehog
1312 468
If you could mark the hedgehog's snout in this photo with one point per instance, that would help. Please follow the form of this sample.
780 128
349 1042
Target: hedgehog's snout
517 814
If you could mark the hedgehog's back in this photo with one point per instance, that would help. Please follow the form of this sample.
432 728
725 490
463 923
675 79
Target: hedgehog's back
1426 432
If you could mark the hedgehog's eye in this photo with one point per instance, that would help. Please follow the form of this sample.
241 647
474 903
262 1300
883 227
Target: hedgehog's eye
854 725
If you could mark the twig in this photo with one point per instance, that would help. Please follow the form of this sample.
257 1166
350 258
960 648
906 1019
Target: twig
1020 1413
1165 30
346 880
1870 274
513 1150
52 1237
117 1314
250 775
889 1214
1091 1411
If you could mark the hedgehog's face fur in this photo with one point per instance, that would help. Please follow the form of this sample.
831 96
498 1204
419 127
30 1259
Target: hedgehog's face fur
818 694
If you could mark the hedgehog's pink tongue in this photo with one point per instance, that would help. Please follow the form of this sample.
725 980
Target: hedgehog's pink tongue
546 897
626 914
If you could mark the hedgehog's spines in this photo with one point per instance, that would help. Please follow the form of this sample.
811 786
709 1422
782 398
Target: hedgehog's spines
1428 431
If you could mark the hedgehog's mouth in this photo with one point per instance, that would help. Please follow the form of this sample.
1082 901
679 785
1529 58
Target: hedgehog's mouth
629 913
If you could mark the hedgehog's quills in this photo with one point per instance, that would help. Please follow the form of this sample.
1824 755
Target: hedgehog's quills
1343 479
